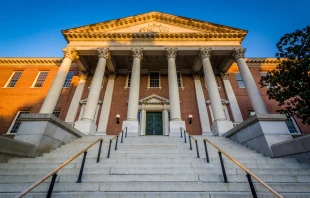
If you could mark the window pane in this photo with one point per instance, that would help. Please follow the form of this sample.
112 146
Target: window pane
154 79
41 78
239 80
14 79
179 79
17 122
68 79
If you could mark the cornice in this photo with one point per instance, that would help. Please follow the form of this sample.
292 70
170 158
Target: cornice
262 61
31 61
208 30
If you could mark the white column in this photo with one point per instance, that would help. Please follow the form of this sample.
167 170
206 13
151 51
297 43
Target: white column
202 108
220 125
87 123
166 121
106 106
249 82
234 107
132 123
175 109
54 92
74 105
143 120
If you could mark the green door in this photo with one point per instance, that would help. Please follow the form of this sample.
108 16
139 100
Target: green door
154 123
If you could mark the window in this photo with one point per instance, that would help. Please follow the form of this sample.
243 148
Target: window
40 79
56 113
265 74
291 124
128 79
13 79
16 122
180 82
68 79
251 113
154 79
139 116
239 80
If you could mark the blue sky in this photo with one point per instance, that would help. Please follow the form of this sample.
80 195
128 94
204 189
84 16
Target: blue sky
32 28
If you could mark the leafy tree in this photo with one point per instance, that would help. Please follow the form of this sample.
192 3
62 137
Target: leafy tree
289 83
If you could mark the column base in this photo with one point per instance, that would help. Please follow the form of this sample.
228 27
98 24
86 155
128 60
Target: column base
219 127
174 127
85 126
133 127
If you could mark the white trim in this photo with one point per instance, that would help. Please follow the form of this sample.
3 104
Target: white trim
9 80
149 81
12 124
34 82
239 80
181 79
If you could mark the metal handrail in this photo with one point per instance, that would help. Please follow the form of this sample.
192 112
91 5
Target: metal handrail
54 172
190 142
249 173
116 136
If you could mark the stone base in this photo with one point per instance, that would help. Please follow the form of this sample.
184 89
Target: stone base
174 127
85 126
220 127
133 127
259 132
45 131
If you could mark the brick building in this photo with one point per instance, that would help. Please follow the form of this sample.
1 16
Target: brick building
156 72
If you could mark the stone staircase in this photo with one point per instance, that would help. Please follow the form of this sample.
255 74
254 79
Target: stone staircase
156 167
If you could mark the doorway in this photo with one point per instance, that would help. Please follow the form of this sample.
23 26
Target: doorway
154 123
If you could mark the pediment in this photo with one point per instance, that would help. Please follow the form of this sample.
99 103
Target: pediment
152 25
154 99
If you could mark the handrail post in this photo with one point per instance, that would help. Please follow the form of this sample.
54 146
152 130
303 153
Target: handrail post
82 168
109 148
184 136
181 131
207 155
197 149
223 168
122 136
116 142
99 151
190 142
126 133
50 190
251 185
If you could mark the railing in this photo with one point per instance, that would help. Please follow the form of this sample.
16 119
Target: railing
54 172
189 138
116 136
249 174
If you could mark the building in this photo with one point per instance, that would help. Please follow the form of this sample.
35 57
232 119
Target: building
152 73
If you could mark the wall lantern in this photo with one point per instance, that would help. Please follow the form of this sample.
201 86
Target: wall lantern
190 116
117 118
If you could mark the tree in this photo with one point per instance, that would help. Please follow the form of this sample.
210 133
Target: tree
289 82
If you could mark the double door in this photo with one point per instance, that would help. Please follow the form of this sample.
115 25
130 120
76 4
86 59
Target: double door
154 123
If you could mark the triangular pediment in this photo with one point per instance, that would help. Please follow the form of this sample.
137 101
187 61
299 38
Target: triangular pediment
152 25
154 99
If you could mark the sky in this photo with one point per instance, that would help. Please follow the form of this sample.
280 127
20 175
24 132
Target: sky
32 28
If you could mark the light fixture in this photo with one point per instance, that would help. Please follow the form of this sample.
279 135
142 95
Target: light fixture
117 118
190 116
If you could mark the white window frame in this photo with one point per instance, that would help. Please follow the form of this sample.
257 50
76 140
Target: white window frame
13 123
35 81
239 80
294 123
127 79
181 80
9 80
149 81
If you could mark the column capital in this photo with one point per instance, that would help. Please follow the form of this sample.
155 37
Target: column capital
104 53
137 53
171 53
112 76
70 53
83 75
205 53
224 76
196 76
238 53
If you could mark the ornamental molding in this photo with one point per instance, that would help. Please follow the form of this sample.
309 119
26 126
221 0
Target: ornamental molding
104 53
137 53
171 53
70 53
205 53
208 30
31 61
238 53
154 99
262 61
83 75
154 28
